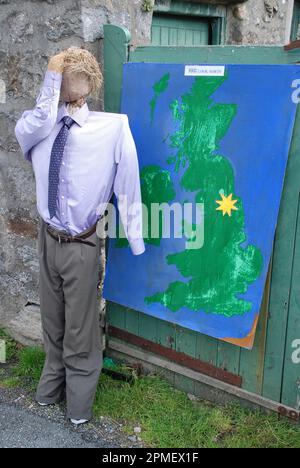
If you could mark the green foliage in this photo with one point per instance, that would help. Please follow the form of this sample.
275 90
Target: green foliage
10 382
147 5
30 364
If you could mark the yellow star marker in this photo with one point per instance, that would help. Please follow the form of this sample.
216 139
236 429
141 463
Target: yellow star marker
226 204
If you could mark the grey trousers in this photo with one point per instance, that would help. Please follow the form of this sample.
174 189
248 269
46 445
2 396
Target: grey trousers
69 275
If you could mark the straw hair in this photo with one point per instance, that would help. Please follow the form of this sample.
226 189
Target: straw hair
81 61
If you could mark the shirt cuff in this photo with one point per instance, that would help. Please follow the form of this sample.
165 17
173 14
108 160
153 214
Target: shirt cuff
137 246
52 79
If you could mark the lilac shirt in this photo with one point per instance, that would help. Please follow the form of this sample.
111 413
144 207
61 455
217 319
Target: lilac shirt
99 159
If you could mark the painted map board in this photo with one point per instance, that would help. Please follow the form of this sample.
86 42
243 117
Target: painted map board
215 138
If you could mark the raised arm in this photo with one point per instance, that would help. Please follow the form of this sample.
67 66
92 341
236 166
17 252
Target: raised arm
127 188
36 124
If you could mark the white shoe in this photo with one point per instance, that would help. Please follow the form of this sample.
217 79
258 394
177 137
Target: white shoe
43 404
77 422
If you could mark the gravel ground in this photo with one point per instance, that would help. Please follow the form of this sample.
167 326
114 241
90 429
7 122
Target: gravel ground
21 429
23 423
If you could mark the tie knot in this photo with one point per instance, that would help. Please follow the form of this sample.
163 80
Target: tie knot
68 121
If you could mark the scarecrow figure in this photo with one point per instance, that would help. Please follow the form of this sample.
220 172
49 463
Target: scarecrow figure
80 158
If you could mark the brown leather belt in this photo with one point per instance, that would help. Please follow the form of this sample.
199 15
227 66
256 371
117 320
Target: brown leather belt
63 236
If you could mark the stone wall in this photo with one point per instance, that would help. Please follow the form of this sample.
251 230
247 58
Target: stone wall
259 22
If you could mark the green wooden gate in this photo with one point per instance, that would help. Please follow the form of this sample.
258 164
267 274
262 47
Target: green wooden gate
180 31
182 23
269 375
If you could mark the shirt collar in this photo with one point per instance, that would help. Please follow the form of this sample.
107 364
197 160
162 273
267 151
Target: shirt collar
79 117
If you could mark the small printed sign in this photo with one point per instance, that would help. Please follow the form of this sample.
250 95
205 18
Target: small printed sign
204 70
2 352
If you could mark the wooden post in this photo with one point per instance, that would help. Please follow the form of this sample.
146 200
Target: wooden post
116 42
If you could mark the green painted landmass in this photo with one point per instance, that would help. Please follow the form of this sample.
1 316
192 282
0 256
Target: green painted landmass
156 183
158 88
156 187
222 269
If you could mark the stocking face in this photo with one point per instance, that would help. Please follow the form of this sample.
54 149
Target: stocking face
74 86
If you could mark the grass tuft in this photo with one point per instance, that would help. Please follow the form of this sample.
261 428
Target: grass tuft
30 364
10 382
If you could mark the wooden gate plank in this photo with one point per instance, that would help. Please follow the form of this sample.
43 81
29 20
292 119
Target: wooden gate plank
132 320
115 314
116 53
252 362
148 327
228 357
207 349
214 54
282 273
291 375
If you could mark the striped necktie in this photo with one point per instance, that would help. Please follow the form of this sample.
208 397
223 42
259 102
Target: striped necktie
55 163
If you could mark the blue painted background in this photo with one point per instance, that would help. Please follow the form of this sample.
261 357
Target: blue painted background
256 144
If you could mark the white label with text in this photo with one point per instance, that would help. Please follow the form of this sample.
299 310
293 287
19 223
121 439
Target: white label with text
204 70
